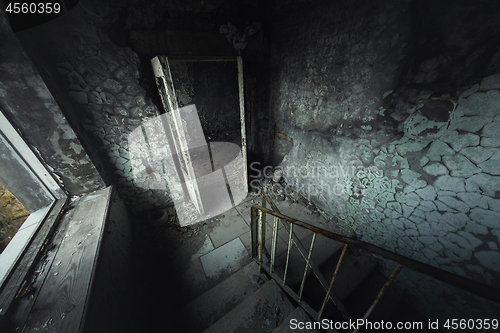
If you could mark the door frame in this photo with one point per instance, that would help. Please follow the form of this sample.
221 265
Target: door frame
161 69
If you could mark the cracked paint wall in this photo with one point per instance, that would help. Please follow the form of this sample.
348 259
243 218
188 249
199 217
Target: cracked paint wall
388 135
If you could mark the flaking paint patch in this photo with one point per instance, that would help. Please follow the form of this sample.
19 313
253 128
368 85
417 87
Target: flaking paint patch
67 131
59 153
76 147
43 93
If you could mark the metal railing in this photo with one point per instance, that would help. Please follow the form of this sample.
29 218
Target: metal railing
258 230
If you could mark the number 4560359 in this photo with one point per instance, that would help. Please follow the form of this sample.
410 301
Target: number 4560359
33 8
461 324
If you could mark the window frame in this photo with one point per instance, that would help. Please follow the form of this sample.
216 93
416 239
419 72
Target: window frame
19 256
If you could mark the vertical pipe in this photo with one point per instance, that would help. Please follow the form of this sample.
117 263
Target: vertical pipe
242 115
161 69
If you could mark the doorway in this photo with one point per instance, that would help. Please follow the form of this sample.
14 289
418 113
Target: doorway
204 99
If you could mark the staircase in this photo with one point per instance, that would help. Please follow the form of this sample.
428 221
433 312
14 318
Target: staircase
251 302
256 298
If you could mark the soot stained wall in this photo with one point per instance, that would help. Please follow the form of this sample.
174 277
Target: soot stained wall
97 66
97 83
387 116
213 88
32 110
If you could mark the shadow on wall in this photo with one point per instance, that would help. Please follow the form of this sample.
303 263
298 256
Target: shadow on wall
403 145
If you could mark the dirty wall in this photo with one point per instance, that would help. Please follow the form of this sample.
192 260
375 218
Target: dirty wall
388 116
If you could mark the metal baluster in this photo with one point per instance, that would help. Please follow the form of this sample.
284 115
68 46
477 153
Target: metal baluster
307 266
261 214
273 246
381 292
333 279
288 252
262 232
255 232
264 217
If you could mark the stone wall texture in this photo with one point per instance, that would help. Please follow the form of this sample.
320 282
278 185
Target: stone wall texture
387 139
98 85
96 63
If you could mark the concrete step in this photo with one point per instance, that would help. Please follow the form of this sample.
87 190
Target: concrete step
355 267
323 250
263 311
295 320
364 295
216 302
393 306
210 269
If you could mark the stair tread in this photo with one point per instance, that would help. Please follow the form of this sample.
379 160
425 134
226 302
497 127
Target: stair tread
300 316
353 270
217 301
263 311
323 250
355 267
364 295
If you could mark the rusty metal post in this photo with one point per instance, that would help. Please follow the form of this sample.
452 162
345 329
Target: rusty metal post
290 244
275 241
255 231
262 229
381 292
333 279
307 266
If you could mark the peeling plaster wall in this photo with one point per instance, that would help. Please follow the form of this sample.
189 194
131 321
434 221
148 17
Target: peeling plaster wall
394 128
31 108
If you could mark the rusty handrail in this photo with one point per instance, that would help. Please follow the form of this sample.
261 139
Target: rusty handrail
289 228
463 283
258 238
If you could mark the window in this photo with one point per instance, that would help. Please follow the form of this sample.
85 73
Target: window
24 175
